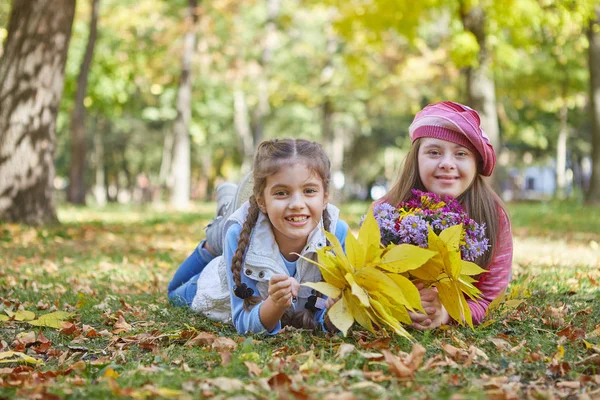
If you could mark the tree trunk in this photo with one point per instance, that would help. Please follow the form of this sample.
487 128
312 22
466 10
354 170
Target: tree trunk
263 108
242 125
593 193
32 78
480 82
180 195
561 153
100 186
77 190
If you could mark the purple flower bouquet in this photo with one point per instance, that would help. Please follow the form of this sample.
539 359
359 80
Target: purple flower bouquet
408 223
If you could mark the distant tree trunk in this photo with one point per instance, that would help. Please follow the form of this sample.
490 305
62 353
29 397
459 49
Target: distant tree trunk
77 190
561 153
246 144
180 195
31 79
480 82
593 193
99 187
263 108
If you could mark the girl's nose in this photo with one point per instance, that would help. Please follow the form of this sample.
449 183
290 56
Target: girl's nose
295 201
446 163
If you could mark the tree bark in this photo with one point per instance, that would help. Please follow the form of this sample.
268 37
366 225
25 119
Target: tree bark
263 108
481 88
242 125
593 193
561 152
180 195
32 78
100 185
77 189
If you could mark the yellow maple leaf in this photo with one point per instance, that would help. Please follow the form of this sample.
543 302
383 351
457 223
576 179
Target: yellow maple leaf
368 279
450 274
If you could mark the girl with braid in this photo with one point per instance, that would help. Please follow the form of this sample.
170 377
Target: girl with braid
256 282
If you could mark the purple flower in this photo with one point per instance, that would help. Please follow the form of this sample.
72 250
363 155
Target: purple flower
409 222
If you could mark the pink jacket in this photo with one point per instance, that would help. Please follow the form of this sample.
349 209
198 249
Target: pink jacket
495 281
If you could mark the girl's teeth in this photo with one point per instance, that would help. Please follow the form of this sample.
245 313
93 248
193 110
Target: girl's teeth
297 219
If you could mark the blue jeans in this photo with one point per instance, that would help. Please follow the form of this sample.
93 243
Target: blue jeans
182 287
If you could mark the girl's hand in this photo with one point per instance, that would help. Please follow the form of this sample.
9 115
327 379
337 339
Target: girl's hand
281 290
330 302
435 313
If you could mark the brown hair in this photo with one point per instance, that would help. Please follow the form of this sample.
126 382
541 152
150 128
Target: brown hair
480 202
271 156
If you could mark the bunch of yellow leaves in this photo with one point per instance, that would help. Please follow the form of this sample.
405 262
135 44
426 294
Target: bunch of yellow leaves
370 280
450 274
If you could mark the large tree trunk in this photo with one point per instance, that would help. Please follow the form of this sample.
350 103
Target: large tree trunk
593 194
31 79
77 190
180 195
561 152
481 89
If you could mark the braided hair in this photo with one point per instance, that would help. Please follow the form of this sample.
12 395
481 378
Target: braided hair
270 157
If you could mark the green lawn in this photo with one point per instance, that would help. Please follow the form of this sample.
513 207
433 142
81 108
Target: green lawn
109 269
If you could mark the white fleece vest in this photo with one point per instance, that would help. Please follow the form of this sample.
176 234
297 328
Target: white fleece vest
262 261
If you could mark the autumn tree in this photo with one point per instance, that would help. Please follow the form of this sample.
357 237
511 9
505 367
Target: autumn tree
32 76
77 189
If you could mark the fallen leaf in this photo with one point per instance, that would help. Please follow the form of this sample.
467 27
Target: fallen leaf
572 333
24 315
226 384
344 350
253 369
26 337
51 320
203 338
224 344
121 325
569 384
396 366
225 357
15 357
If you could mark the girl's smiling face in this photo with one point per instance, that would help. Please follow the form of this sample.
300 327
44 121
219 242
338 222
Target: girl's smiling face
446 168
294 199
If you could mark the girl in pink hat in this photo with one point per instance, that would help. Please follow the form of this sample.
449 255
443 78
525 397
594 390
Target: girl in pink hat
450 155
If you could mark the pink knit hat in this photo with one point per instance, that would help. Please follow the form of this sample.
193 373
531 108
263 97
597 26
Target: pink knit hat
457 124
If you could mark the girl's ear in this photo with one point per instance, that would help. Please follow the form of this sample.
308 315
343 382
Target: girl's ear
261 204
325 200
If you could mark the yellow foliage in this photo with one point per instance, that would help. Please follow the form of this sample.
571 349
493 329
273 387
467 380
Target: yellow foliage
367 280
450 274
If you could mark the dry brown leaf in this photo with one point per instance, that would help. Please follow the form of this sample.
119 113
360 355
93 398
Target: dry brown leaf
415 358
121 325
202 339
569 384
344 350
253 369
396 366
226 384
26 338
225 357
224 344
572 333
340 396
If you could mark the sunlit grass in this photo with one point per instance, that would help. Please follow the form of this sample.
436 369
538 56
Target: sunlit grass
104 263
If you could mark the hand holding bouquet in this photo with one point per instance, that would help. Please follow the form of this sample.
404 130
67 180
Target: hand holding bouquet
441 225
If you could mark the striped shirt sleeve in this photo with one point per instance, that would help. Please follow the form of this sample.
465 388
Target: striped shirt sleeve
495 281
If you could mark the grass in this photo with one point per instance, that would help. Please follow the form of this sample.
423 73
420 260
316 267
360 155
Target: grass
109 269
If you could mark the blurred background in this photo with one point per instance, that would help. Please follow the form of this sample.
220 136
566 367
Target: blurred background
157 102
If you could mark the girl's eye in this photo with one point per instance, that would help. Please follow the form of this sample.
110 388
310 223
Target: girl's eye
462 154
310 191
434 152
280 193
